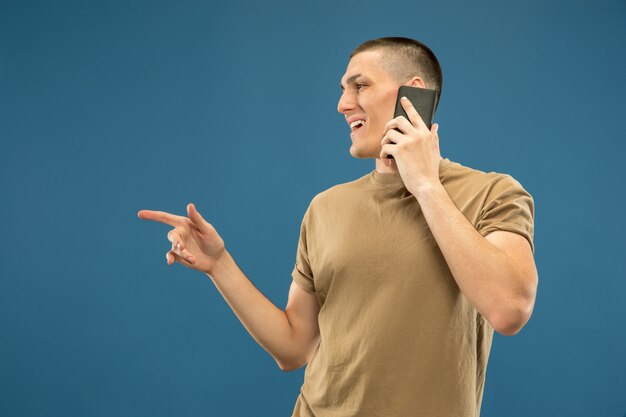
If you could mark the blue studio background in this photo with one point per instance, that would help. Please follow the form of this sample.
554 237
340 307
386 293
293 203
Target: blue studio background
110 107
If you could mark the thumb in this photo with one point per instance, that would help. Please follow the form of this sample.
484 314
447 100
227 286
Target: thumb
196 218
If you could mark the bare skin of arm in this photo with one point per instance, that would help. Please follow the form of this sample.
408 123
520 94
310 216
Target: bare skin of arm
290 336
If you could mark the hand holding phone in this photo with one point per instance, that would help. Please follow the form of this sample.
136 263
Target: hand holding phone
423 99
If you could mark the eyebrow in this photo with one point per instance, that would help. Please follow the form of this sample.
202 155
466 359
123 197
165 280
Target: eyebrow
349 80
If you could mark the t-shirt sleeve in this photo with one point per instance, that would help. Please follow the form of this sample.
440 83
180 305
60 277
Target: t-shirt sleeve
302 270
508 207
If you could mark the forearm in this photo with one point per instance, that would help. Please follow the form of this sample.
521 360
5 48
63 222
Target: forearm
265 322
486 276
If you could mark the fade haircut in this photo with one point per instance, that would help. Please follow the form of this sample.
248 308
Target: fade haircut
404 58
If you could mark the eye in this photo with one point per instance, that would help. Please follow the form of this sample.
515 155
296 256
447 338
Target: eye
359 86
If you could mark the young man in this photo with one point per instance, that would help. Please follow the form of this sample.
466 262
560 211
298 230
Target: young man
402 275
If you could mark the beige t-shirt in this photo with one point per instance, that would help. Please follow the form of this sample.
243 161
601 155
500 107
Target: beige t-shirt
398 338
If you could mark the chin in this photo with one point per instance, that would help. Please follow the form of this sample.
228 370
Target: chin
361 153
354 152
358 153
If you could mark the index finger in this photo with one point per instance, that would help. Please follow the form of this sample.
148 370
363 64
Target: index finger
161 216
411 111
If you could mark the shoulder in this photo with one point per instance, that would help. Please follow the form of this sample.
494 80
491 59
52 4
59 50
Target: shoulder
340 193
459 177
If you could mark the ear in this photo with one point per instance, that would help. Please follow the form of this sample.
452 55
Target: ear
417 82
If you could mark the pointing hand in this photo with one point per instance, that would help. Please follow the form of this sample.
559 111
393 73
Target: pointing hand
195 242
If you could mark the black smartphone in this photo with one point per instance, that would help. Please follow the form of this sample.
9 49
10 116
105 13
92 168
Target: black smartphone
423 99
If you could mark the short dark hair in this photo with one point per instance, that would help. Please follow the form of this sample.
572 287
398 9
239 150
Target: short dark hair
406 58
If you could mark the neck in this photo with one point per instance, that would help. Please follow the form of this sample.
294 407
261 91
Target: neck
387 166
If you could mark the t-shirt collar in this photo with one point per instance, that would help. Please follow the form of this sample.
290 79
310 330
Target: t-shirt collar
394 178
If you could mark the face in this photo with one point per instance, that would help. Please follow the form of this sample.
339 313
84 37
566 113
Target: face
369 95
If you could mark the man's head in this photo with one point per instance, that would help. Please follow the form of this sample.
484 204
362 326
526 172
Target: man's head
376 70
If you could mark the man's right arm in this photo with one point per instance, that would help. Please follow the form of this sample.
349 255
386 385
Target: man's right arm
289 336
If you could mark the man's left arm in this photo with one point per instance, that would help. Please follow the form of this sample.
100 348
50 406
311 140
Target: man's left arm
496 273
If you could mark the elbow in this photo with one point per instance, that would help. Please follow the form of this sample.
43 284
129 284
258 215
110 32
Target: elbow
289 368
297 362
286 367
511 320
509 328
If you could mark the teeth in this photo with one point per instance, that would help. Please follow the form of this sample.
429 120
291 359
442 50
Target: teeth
356 123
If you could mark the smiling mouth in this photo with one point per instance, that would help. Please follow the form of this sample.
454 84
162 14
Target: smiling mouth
356 126
354 131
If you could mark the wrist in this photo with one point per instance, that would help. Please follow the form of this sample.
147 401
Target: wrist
222 263
428 189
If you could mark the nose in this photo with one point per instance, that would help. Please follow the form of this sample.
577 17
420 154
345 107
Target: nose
346 102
